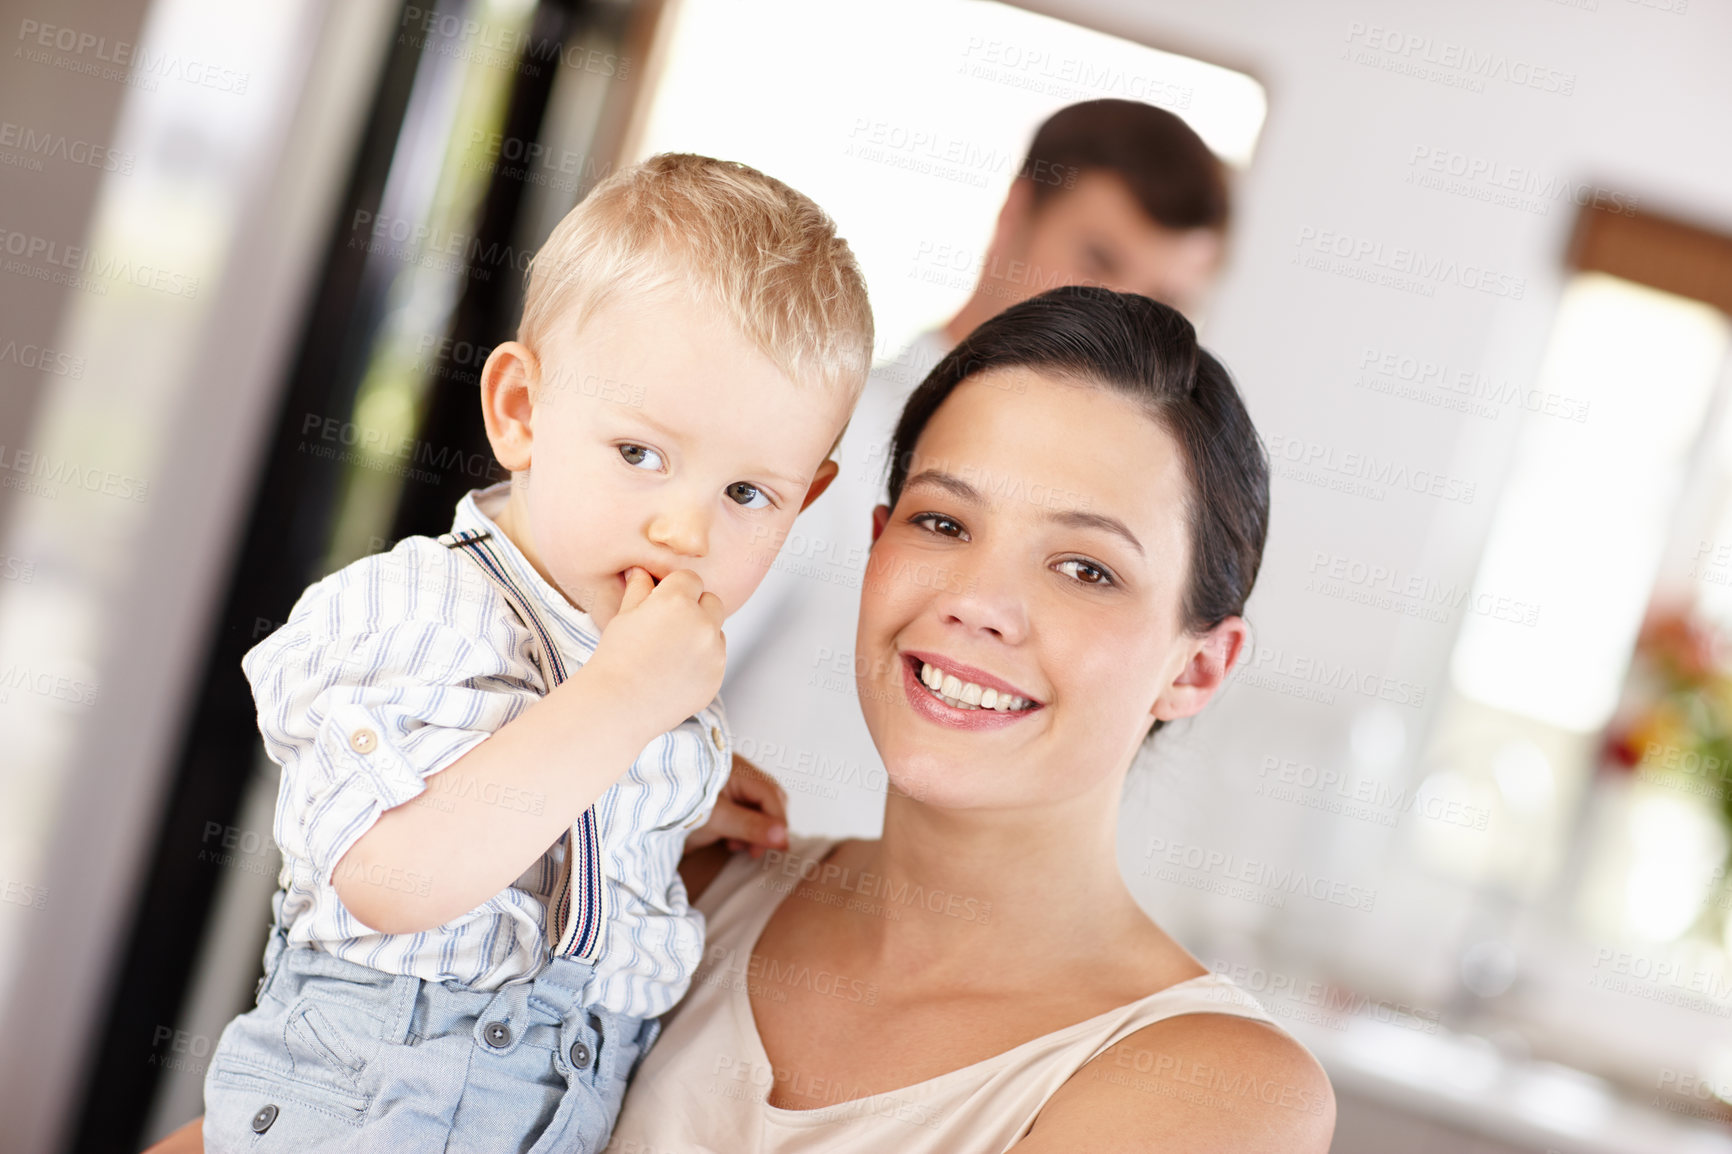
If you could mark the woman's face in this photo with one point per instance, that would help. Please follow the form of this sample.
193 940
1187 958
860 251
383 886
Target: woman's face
1039 549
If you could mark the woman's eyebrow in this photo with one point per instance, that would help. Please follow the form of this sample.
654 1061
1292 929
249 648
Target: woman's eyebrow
1080 520
1074 518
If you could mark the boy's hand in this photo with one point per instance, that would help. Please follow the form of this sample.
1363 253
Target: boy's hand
751 812
664 651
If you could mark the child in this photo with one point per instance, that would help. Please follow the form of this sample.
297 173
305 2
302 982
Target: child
494 744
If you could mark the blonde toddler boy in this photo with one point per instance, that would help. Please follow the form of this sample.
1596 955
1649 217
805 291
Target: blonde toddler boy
494 743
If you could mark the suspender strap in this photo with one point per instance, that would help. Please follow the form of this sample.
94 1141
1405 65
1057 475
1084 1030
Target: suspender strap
575 916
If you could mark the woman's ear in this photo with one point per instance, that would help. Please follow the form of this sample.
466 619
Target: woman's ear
1211 658
880 518
508 392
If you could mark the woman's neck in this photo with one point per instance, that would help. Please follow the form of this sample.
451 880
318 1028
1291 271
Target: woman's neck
1001 881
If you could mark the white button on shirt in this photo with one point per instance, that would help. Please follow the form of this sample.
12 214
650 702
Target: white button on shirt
392 668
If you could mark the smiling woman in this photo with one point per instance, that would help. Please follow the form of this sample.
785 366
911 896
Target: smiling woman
1078 503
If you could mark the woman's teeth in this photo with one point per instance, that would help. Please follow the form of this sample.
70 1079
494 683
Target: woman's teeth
960 694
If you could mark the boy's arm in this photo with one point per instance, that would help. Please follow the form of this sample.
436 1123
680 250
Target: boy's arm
369 697
508 799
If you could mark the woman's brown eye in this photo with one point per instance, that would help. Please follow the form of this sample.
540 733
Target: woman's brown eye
931 519
1101 577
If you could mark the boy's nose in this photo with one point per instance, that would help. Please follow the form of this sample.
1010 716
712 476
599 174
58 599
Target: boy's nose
684 530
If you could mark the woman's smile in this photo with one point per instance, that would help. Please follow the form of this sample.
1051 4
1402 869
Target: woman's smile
935 703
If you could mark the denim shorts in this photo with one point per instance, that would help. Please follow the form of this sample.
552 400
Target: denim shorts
337 1056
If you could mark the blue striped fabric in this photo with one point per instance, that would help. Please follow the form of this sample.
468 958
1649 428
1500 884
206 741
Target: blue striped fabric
423 649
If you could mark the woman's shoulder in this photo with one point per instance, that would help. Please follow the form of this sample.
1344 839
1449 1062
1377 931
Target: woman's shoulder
1216 1074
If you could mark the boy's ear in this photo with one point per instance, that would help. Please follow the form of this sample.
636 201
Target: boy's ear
880 518
508 390
820 481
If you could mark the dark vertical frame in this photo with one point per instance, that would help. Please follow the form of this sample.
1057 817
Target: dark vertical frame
285 541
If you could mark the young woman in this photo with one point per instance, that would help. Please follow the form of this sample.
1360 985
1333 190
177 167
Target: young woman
1078 505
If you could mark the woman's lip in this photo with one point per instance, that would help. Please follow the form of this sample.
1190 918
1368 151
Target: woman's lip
969 673
930 707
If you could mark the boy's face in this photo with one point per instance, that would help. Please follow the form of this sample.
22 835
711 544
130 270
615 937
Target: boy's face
658 436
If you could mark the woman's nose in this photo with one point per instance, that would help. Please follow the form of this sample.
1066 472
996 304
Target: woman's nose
984 596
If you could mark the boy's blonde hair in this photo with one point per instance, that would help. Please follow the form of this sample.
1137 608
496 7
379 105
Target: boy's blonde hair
764 254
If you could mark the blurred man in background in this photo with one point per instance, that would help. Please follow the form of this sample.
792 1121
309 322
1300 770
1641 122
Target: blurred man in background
1112 192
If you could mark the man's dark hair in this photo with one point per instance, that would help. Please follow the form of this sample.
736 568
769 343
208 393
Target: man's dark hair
1179 183
1147 352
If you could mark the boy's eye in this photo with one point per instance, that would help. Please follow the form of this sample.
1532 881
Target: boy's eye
930 519
749 496
639 455
1101 576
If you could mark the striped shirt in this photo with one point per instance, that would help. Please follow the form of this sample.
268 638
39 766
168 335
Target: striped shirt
391 669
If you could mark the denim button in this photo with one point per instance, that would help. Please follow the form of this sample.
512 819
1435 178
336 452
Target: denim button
263 1119
580 1055
498 1035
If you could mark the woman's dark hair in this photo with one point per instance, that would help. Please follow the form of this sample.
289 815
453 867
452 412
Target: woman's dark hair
1145 351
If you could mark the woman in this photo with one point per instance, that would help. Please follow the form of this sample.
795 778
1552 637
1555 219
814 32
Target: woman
1078 505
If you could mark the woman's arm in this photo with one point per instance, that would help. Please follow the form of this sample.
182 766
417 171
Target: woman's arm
189 1139
1198 1083
751 813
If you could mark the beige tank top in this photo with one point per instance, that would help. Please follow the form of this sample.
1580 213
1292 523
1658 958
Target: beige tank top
702 1089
